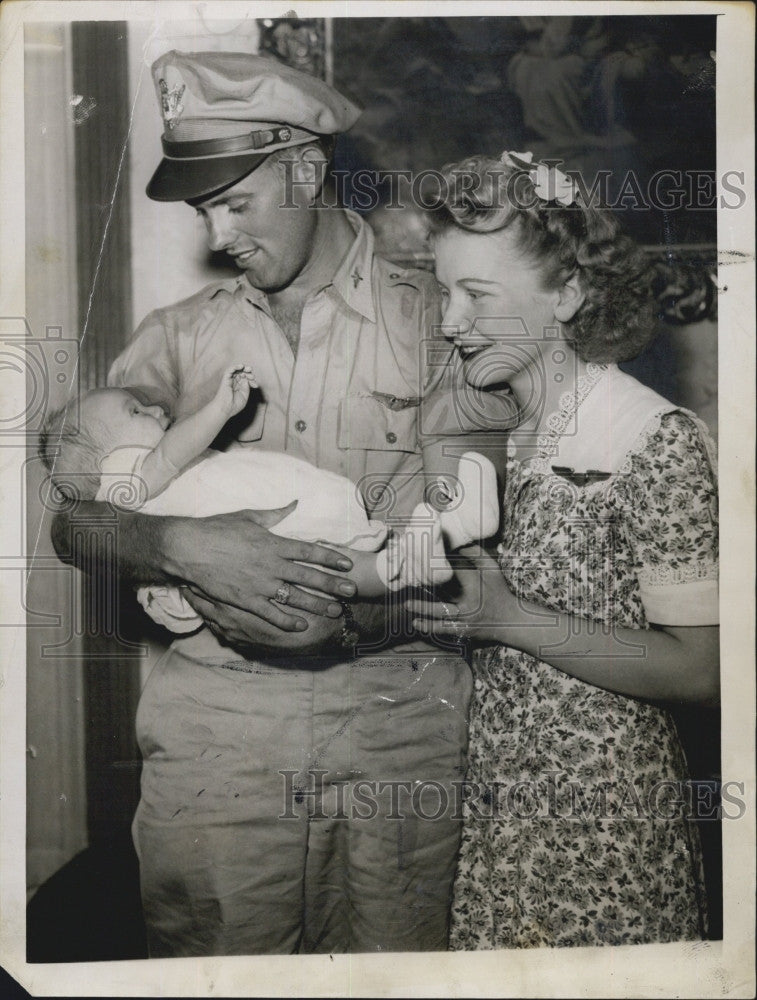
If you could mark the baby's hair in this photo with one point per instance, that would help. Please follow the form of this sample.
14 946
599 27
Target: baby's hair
616 320
71 454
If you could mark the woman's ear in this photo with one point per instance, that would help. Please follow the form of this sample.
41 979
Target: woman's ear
570 299
309 172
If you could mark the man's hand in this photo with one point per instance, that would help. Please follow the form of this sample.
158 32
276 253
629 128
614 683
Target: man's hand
254 636
232 559
229 559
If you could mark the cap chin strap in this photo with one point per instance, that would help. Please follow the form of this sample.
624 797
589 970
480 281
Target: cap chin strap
250 142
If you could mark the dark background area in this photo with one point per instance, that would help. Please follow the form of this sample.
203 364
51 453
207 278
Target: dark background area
618 93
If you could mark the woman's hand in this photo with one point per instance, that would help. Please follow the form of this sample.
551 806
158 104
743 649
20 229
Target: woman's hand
479 607
661 663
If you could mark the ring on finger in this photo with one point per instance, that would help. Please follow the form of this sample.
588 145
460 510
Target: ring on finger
283 594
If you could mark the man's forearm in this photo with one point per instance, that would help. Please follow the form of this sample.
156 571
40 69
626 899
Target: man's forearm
233 568
100 539
373 619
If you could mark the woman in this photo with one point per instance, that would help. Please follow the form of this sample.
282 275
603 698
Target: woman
605 598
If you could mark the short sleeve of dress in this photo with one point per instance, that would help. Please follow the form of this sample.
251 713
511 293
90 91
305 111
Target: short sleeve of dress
671 521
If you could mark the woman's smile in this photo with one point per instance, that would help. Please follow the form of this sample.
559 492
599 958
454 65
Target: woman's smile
468 349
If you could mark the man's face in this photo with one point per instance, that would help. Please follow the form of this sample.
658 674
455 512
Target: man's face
272 244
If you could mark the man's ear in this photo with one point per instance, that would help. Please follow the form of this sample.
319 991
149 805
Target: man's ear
309 170
570 299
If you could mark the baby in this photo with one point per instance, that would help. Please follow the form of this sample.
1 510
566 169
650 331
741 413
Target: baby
133 456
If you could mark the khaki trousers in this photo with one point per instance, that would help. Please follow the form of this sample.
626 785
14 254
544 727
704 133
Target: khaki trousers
312 807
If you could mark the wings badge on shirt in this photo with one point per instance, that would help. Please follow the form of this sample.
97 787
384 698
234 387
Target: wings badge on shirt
396 402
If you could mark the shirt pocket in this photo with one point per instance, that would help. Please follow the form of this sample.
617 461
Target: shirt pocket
368 423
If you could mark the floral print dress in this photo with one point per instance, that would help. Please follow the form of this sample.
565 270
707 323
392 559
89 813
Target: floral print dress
576 828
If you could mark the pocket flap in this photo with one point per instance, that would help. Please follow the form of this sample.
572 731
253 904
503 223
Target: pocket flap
366 422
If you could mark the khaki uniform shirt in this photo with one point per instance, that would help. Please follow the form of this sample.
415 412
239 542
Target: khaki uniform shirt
369 350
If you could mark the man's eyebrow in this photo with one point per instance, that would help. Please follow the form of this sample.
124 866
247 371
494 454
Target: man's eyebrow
222 199
480 281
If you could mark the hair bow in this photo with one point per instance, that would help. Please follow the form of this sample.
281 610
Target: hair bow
550 184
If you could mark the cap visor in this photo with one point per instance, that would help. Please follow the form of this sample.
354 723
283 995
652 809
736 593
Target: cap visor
182 180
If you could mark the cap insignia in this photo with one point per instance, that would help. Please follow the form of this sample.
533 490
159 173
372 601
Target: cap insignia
170 102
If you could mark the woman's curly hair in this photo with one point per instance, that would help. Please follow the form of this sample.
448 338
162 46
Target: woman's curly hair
617 318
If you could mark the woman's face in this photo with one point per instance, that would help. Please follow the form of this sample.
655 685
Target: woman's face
495 307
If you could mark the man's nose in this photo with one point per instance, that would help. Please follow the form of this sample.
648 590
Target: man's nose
220 235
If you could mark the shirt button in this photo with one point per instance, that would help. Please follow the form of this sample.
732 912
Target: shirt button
300 426
391 437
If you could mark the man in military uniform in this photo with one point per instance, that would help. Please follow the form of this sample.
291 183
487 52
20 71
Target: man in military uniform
255 730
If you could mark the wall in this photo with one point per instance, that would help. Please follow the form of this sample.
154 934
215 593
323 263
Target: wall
170 256
56 805
695 349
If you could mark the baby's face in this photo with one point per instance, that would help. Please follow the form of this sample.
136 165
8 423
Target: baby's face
122 419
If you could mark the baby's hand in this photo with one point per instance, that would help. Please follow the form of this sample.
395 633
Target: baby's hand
234 390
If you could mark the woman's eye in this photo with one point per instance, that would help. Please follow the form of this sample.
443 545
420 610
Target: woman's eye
238 209
473 294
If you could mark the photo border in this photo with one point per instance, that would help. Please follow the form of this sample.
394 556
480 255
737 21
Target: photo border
695 969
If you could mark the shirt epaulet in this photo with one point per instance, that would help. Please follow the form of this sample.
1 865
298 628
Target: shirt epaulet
229 285
193 303
418 278
415 276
